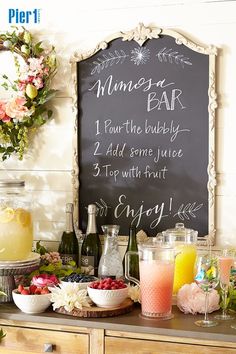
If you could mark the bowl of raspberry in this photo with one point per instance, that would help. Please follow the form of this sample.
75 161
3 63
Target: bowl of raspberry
107 292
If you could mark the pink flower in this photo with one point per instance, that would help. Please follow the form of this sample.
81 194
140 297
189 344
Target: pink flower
30 79
51 257
22 85
38 82
36 65
3 116
45 280
191 299
16 108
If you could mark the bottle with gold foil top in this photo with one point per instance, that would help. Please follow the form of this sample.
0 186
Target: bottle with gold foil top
16 225
68 247
91 249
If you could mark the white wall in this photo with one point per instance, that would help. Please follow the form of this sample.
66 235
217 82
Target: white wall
80 25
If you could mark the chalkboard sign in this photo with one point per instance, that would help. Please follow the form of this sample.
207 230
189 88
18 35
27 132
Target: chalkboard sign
145 132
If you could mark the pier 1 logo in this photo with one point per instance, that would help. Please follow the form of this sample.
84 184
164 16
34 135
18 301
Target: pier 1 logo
17 16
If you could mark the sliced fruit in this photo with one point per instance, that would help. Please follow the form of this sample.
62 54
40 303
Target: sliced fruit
7 215
23 217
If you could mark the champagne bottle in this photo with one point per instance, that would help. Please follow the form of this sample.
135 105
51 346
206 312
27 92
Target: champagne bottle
91 249
68 247
133 259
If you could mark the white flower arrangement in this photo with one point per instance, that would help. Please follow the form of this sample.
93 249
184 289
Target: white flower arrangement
69 296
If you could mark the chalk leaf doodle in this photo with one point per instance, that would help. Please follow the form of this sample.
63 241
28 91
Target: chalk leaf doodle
185 211
107 60
168 55
102 207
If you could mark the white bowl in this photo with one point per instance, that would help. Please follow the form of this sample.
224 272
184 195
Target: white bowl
108 298
31 303
80 285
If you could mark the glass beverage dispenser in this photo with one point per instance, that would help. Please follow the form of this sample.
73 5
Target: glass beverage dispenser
16 227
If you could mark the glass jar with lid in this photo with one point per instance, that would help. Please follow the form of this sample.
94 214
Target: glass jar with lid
16 226
184 242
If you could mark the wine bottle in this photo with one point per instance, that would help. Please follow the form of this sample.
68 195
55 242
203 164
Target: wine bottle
91 249
133 259
68 247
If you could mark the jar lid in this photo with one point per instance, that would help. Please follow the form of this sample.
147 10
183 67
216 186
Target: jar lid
11 183
179 231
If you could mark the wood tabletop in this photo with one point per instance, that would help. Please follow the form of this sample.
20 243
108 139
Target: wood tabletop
180 325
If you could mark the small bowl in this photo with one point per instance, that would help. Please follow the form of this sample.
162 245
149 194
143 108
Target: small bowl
31 303
80 285
108 298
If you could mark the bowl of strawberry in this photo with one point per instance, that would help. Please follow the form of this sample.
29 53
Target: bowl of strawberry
107 292
32 299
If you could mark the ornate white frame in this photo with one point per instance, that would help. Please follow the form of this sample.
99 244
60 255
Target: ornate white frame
141 34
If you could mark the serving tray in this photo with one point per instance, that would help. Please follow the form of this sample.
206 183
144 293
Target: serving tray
95 312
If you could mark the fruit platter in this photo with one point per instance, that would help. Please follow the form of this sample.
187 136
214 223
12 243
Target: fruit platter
76 295
102 298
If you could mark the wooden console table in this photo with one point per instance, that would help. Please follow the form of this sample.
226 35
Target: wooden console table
125 334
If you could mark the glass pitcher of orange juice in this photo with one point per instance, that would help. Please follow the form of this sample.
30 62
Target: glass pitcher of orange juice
184 242
16 227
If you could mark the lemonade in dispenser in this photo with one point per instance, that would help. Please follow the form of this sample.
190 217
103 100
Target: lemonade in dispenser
184 242
16 227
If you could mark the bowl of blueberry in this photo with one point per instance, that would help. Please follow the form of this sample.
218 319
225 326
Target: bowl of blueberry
83 280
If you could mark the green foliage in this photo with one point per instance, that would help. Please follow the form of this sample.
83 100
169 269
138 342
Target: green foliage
56 268
2 334
232 299
232 291
40 248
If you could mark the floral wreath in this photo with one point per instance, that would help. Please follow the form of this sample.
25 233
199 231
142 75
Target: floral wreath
26 110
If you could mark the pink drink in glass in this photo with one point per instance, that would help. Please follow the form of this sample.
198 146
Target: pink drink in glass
156 284
225 264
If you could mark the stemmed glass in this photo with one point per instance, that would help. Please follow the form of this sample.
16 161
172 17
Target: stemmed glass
207 278
226 262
